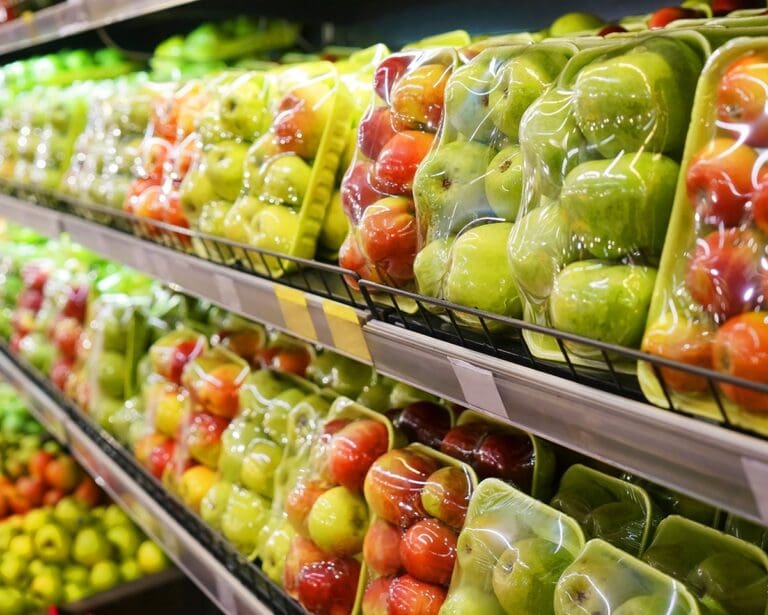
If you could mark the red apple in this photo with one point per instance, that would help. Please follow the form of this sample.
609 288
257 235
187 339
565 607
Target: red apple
169 357
30 299
425 422
51 498
376 597
31 489
760 205
393 486
508 457
723 272
352 258
301 553
354 449
76 303
62 473
329 587
288 359
216 390
375 131
60 372
38 462
301 119
417 98
389 71
741 350
203 437
160 456
357 193
66 334
88 492
611 28
18 503
299 502
446 496
34 276
462 441
246 344
389 237
428 551
720 181
667 15
381 548
398 161
742 99
143 446
409 596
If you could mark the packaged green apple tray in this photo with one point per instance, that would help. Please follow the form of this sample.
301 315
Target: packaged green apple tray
710 300
608 508
511 553
600 152
725 574
605 579
469 187
419 499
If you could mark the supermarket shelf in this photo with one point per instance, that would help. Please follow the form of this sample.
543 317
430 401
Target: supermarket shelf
597 412
154 513
72 17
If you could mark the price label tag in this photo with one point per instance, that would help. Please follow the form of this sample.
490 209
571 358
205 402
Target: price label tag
346 330
757 477
293 305
478 387
226 596
228 293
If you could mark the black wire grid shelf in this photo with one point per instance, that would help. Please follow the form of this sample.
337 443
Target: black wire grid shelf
490 334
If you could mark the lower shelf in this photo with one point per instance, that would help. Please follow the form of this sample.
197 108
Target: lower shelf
234 584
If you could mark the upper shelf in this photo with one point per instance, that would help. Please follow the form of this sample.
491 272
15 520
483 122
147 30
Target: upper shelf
72 17
718 465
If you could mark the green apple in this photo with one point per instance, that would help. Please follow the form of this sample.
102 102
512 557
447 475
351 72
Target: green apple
525 576
35 519
285 180
22 546
274 551
47 587
37 566
603 301
214 503
571 23
38 352
75 592
52 543
151 558
70 514
243 517
275 421
74 573
638 100
551 141
110 374
472 283
259 464
91 547
234 441
338 521
115 516
224 165
595 585
12 601
466 101
239 217
345 376
652 603
620 523
258 156
449 187
196 192
735 583
469 600
504 183
480 546
104 576
7 532
622 205
522 80
335 225
212 217
129 570
12 569
275 228
125 539
244 106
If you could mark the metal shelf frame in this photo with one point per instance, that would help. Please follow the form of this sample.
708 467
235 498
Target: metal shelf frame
597 412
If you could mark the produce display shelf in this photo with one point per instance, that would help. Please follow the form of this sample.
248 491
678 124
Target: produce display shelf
233 583
73 17
599 412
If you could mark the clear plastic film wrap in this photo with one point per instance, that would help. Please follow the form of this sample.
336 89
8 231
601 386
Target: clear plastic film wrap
511 553
709 304
325 506
605 579
747 530
419 500
600 157
393 138
725 574
608 508
469 188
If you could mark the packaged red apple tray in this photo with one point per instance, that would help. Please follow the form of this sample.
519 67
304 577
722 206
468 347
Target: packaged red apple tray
394 137
600 152
605 579
468 189
419 500
724 574
608 508
328 511
510 554
710 303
